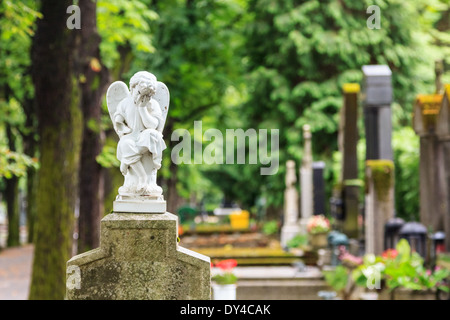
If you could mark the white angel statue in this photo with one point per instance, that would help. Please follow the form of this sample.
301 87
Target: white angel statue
139 116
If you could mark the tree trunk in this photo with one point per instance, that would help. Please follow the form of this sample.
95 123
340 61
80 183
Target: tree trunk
29 148
95 77
12 192
60 123
12 205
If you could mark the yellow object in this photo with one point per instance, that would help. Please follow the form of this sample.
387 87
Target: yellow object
351 88
240 219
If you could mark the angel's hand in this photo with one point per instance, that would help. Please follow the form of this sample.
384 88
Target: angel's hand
123 129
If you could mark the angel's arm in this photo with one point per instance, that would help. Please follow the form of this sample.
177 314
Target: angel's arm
153 119
120 124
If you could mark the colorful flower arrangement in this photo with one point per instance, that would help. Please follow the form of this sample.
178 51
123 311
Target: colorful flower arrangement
394 268
349 260
225 275
318 224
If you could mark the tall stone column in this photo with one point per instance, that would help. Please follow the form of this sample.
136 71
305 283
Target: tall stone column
433 199
348 141
379 202
319 187
443 133
290 226
306 178
377 93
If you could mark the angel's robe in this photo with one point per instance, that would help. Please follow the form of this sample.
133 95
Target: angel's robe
144 136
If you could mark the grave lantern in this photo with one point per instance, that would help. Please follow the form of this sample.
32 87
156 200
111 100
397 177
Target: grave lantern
438 246
438 242
391 232
416 235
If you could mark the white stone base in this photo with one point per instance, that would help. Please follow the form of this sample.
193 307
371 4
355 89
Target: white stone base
140 205
287 233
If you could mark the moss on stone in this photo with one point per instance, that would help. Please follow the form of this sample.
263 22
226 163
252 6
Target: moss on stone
382 172
429 104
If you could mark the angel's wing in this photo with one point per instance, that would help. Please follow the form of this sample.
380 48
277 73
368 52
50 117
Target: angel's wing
162 95
115 94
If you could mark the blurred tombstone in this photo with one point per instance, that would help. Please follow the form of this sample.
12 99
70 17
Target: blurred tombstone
226 208
290 226
348 140
319 187
443 133
377 99
306 179
433 198
379 205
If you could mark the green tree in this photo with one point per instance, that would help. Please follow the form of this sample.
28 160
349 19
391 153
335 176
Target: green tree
17 109
195 57
317 46
93 80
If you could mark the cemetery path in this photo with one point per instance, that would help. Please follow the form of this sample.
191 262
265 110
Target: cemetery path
15 272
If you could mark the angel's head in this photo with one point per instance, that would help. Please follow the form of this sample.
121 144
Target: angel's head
143 87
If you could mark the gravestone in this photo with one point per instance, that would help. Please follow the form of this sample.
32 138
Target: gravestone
290 226
433 198
348 141
139 256
443 133
319 187
377 99
306 179
379 208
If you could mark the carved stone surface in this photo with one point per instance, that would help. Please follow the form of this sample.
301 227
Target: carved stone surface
306 177
139 259
290 227
139 116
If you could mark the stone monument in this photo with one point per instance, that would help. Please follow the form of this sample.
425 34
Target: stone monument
139 256
379 208
348 141
306 179
443 133
377 99
290 226
433 198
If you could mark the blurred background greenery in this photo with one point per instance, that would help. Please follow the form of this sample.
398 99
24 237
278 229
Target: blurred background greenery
261 64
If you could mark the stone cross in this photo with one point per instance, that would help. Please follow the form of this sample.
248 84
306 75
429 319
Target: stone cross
377 101
306 178
139 256
433 198
290 226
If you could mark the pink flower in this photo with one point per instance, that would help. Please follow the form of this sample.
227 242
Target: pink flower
390 254
227 265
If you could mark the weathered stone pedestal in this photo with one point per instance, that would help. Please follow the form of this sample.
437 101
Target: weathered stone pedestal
379 202
139 259
290 226
348 141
